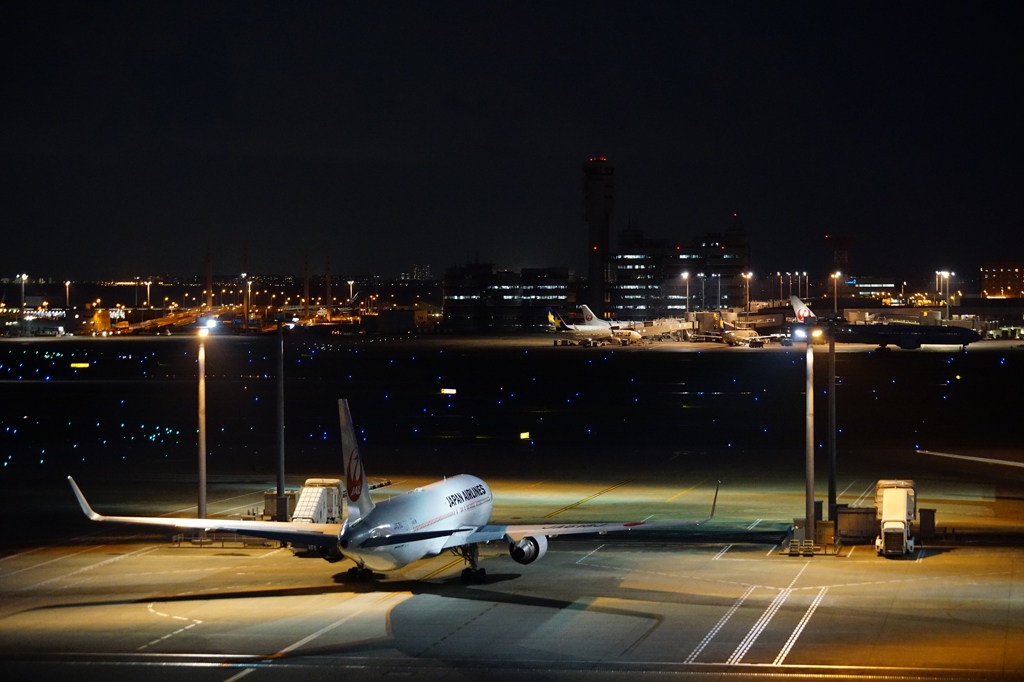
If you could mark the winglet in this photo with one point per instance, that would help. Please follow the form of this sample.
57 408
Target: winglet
86 509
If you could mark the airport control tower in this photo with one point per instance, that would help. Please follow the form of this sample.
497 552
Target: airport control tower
598 202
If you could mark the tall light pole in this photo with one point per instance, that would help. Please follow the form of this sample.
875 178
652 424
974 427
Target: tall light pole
203 331
832 431
945 274
809 444
245 303
835 290
67 294
350 283
282 500
780 285
703 304
21 306
746 278
686 278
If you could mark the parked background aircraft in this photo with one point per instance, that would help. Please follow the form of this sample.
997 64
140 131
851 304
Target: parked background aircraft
905 336
451 514
593 328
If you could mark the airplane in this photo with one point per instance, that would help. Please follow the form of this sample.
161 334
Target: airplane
983 460
594 328
451 514
905 336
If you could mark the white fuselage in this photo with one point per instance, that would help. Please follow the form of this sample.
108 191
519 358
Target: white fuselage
460 502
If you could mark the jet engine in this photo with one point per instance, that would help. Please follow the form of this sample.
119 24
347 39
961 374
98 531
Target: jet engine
529 549
332 554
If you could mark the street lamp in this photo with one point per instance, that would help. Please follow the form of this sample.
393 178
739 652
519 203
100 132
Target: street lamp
703 304
746 277
21 307
67 294
945 274
204 330
686 278
350 283
835 289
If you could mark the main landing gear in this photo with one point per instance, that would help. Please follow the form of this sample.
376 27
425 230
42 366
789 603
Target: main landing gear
359 573
472 573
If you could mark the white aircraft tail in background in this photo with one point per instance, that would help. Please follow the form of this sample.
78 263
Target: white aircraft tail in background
591 319
803 313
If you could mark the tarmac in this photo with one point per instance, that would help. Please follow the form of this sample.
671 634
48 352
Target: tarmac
723 602
620 434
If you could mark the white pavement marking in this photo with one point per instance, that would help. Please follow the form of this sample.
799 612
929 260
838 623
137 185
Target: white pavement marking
800 627
137 552
240 675
864 495
718 626
759 626
846 488
771 550
721 553
50 561
588 554
327 628
762 622
751 526
195 622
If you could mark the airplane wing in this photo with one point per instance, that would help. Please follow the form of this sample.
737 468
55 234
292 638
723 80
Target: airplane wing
516 533
316 534
983 460
468 535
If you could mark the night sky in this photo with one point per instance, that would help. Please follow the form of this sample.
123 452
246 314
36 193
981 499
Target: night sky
386 134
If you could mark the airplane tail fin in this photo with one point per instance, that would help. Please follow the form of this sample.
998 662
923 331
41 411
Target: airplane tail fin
356 488
558 323
803 313
590 318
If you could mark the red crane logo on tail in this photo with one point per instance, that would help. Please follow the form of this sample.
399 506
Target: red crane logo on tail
803 314
354 477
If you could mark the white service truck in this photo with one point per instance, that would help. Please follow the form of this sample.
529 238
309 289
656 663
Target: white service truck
895 509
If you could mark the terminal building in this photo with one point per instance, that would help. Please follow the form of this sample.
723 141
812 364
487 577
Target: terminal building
654 278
